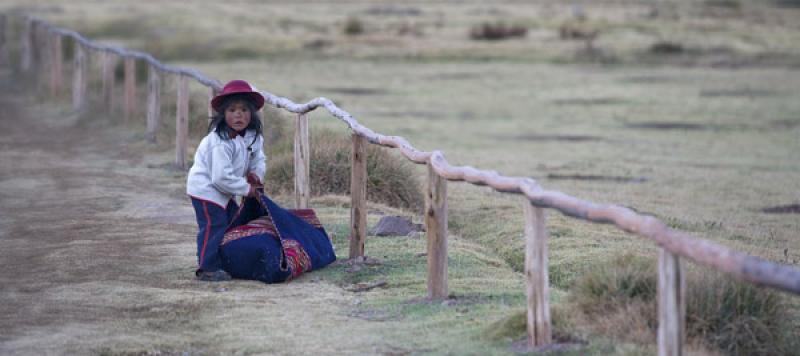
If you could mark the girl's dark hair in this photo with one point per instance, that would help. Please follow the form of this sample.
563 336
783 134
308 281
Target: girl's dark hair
222 129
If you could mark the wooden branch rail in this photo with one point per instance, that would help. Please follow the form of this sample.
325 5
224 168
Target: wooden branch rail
675 245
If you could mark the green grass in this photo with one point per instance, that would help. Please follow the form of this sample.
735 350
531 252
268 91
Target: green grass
484 315
479 288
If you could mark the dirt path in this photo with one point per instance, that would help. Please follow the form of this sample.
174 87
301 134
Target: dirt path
97 254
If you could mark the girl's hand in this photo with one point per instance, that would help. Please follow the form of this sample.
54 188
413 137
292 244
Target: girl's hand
254 189
253 179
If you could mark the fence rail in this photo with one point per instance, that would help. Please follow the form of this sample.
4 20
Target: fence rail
41 45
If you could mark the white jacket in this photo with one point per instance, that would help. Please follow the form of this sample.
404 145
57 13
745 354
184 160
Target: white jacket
220 166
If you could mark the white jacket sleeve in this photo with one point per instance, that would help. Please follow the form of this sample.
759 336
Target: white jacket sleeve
258 161
222 176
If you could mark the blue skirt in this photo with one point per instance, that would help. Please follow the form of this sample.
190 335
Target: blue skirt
268 243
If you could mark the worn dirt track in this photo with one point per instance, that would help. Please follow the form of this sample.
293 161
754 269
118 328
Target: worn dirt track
97 254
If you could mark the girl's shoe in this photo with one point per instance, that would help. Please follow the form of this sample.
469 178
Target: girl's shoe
213 276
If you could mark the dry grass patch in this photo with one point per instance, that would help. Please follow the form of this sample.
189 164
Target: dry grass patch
390 178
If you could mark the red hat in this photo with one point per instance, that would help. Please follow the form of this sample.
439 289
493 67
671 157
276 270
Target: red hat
238 86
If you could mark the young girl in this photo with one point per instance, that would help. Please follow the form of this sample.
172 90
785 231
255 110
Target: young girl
229 162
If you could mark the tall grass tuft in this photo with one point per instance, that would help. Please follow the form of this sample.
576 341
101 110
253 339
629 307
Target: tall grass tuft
353 26
494 31
390 178
737 318
622 280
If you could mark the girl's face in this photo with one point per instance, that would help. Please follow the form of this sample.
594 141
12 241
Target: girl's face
237 116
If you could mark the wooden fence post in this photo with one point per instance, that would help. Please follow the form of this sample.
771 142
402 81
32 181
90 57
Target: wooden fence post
302 190
3 47
129 103
182 122
79 78
536 278
358 196
436 227
39 44
671 304
25 63
44 59
109 79
211 94
153 103
39 55
56 70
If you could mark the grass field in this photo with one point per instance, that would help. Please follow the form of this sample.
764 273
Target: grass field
705 138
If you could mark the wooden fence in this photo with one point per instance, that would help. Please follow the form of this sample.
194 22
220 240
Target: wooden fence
41 55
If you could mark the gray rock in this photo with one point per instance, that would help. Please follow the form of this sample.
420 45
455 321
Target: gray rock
395 226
